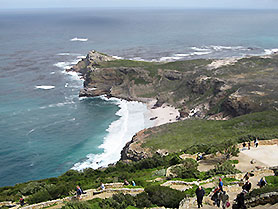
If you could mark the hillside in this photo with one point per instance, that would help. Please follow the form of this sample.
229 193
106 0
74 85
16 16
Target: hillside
198 88
196 135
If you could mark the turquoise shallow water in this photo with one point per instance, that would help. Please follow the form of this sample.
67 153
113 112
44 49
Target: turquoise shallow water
44 132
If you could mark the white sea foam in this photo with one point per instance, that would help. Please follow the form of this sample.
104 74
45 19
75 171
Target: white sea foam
168 59
220 48
79 39
270 51
117 57
200 53
131 121
200 49
68 54
67 65
60 104
45 87
52 73
137 59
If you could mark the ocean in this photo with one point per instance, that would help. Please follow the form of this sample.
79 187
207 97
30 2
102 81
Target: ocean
45 129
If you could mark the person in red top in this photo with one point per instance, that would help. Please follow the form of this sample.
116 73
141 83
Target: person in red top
221 184
216 196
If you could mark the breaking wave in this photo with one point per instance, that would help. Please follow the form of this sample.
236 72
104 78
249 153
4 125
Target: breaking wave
79 39
45 87
131 120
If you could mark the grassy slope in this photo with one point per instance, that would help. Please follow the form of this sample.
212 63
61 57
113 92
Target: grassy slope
182 135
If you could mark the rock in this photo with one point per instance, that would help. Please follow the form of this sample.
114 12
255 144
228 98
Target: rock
154 118
92 60
133 150
162 152
253 161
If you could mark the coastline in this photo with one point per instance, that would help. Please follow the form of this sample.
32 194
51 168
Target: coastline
135 116
153 115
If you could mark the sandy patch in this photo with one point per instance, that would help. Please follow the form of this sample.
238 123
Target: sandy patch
266 154
162 115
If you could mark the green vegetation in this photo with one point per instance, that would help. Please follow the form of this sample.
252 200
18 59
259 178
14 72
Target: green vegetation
153 196
154 66
223 169
210 136
187 170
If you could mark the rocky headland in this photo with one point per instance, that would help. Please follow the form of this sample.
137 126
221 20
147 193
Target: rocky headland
202 89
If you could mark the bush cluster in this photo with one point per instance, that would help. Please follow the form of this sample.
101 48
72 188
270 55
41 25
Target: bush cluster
222 169
188 169
153 195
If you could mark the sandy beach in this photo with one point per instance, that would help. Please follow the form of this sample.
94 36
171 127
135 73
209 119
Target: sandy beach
162 115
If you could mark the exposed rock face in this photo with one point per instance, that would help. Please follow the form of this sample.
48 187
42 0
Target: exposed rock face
92 60
263 199
133 150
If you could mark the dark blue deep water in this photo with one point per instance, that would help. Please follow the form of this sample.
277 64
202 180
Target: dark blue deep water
44 128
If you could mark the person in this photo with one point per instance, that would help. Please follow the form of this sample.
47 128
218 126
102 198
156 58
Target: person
256 142
200 193
78 192
102 187
224 197
240 201
262 182
220 184
247 186
126 182
133 183
215 197
243 145
249 145
21 201
246 176
199 156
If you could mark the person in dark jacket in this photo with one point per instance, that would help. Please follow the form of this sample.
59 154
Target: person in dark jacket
262 182
21 201
240 201
216 196
200 193
247 186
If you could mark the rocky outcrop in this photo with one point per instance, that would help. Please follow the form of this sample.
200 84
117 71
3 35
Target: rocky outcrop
92 60
263 199
133 149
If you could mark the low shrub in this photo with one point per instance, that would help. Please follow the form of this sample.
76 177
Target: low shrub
189 169
78 205
164 196
272 180
223 169
143 200
40 196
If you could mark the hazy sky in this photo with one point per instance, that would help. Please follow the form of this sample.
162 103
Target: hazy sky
257 4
